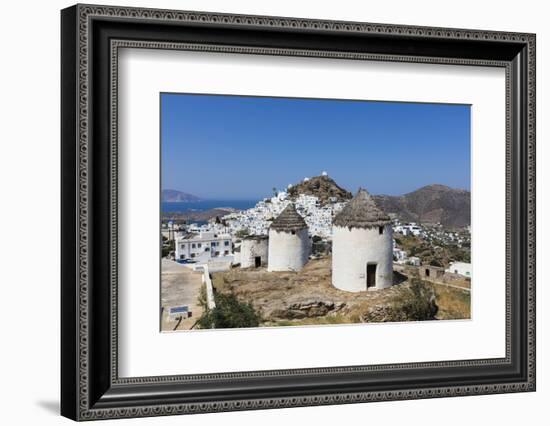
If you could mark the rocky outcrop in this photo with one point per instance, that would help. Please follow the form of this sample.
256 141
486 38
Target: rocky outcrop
307 309
322 187
383 314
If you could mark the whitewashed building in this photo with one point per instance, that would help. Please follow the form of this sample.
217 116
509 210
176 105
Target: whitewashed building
289 242
254 251
257 220
460 268
414 261
362 246
409 229
399 255
203 247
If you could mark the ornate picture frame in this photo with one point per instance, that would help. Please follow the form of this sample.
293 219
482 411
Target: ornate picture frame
90 39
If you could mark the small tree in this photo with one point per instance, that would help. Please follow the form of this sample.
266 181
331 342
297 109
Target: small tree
417 302
168 247
202 299
241 233
229 313
435 262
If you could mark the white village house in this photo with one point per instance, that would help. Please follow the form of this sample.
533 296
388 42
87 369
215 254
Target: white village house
171 230
289 242
362 246
460 268
409 229
257 219
399 255
203 247
413 260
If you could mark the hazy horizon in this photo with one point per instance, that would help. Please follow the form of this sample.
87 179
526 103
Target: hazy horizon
269 193
220 147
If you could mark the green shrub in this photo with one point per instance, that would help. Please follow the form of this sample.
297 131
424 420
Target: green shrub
241 233
417 301
201 300
229 313
168 247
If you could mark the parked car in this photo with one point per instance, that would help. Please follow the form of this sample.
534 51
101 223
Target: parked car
185 261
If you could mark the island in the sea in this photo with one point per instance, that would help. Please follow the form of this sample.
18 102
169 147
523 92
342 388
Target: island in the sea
174 196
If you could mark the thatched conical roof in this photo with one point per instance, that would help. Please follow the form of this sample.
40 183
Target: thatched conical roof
289 220
361 212
255 237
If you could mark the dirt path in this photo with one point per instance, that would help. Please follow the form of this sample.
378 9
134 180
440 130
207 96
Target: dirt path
180 286
450 285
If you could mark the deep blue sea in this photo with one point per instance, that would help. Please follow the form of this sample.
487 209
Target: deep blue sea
206 205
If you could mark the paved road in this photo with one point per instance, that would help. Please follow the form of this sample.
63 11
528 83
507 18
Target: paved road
180 286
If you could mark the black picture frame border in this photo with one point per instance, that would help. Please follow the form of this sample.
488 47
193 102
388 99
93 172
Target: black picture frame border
91 388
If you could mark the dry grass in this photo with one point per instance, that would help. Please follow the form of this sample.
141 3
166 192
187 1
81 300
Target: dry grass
461 282
453 303
273 293
279 297
326 320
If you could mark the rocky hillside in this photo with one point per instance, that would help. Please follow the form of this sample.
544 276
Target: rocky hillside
173 196
430 204
322 187
196 215
308 297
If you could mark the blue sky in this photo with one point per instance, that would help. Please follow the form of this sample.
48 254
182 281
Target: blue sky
236 147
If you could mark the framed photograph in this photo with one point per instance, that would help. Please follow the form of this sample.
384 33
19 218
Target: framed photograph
263 212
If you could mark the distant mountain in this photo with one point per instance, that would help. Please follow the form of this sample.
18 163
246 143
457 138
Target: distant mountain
323 187
430 204
172 196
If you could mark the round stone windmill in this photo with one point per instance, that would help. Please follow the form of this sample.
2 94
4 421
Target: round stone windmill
362 251
289 243
254 250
